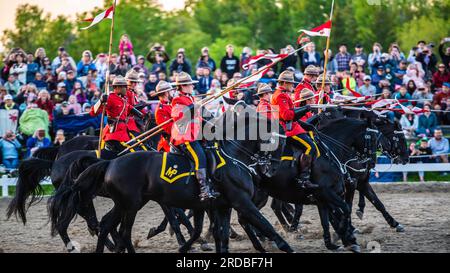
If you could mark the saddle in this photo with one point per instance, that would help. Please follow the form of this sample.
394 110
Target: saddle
176 165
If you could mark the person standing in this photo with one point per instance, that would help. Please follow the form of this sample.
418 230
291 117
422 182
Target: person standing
230 63
10 150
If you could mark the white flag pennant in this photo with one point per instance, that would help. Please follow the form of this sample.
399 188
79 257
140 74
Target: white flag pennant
107 14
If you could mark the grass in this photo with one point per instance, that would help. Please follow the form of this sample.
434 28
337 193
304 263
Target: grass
48 190
429 176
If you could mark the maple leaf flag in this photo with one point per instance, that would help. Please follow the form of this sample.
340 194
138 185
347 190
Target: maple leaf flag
322 30
271 57
107 14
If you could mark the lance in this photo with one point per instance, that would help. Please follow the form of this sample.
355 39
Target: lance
141 141
205 101
322 91
100 138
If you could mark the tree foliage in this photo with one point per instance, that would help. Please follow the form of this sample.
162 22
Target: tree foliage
215 23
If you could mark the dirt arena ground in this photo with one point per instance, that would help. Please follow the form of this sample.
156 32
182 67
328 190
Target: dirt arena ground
423 209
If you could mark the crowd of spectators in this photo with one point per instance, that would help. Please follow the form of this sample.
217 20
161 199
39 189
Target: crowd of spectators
56 85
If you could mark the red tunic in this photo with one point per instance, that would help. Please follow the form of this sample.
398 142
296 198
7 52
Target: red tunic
117 107
163 114
297 93
132 100
326 98
285 114
184 131
265 108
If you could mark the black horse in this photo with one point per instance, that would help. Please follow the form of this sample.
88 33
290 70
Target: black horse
233 180
391 141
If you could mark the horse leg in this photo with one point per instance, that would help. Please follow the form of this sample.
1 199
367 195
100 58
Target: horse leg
169 212
287 211
276 206
361 206
256 219
324 220
127 223
296 219
349 195
110 221
251 234
157 230
370 194
199 216
225 215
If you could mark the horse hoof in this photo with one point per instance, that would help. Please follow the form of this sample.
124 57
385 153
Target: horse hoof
360 214
354 248
333 247
206 247
171 232
151 233
400 228
336 237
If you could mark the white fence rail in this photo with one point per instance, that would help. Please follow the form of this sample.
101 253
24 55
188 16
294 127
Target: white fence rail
6 182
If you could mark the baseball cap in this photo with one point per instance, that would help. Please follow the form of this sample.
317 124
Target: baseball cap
8 97
61 48
358 45
61 84
367 78
381 67
447 84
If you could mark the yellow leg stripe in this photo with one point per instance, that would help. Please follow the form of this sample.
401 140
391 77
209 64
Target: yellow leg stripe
141 145
315 144
127 146
193 154
304 143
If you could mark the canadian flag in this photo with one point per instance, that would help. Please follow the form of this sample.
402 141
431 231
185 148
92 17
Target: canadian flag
322 30
354 93
107 14
262 71
271 57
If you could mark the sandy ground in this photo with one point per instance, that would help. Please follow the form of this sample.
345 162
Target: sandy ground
424 210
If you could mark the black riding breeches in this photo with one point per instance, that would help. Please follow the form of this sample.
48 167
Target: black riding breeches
306 143
196 153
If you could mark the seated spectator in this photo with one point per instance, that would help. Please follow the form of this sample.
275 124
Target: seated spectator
32 119
20 68
410 124
122 67
206 60
74 105
12 85
403 94
400 72
422 95
46 66
79 94
70 82
419 155
96 96
180 64
159 66
157 50
151 84
446 115
205 81
44 102
26 93
67 66
86 108
162 76
311 57
427 122
377 77
39 81
60 138
414 73
439 145
32 68
441 76
39 140
85 65
60 94
64 110
140 66
442 96
8 103
367 89
10 150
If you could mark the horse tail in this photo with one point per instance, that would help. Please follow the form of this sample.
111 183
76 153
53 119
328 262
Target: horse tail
31 172
47 153
63 206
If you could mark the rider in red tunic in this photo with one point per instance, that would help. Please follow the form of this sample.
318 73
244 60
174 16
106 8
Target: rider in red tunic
163 113
310 76
327 89
186 132
264 107
117 110
297 136
133 80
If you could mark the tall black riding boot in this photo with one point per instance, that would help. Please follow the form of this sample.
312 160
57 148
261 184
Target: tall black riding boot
305 172
206 192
